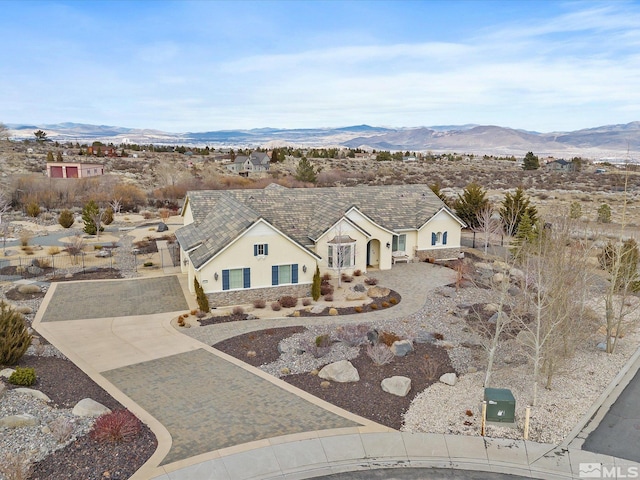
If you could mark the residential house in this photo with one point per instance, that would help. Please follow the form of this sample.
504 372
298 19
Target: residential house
243 245
560 166
254 163
107 151
74 170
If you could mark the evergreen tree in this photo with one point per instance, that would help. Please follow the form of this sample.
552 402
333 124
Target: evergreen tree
49 156
513 208
107 216
527 232
435 188
201 297
604 213
14 336
531 162
66 218
575 211
305 171
89 213
470 203
59 157
316 286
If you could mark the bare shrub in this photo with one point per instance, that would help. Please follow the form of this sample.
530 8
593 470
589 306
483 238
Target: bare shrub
61 429
14 466
357 273
306 302
352 335
237 311
431 369
276 307
346 278
380 354
53 251
328 298
259 303
326 289
326 277
288 301
371 281
25 237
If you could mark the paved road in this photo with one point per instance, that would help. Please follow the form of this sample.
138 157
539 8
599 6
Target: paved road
619 431
419 474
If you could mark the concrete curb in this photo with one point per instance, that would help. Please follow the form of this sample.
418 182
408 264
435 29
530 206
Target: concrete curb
596 412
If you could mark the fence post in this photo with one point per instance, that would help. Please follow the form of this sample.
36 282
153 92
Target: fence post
82 256
53 264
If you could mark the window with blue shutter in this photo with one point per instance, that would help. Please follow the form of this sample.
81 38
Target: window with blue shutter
274 275
247 278
225 279
294 273
255 250
260 249
434 238
284 274
444 238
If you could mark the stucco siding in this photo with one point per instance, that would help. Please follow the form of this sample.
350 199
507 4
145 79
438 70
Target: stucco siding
342 228
441 222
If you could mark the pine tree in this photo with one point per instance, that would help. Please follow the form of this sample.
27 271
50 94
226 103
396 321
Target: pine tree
575 211
89 212
604 213
59 157
526 233
470 203
49 156
531 162
14 337
513 208
316 285
305 171
435 188
621 261
201 297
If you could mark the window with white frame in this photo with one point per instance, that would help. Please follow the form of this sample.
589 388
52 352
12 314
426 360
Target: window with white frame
284 274
399 243
438 238
341 255
235 278
260 249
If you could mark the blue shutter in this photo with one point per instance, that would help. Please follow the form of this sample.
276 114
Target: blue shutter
266 249
274 275
255 250
434 238
247 278
294 273
225 279
444 238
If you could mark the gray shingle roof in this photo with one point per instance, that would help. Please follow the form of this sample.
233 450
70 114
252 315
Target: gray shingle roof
303 214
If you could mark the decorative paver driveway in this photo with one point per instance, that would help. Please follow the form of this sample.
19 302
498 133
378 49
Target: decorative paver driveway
208 403
119 298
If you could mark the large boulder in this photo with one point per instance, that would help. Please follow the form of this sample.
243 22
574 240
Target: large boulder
33 393
424 337
342 372
6 372
377 292
401 347
352 297
162 227
88 407
317 309
29 288
449 379
397 385
18 421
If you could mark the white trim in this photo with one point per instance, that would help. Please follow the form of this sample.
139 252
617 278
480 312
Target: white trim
348 220
369 218
260 220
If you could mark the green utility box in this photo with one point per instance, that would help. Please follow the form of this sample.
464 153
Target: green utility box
501 405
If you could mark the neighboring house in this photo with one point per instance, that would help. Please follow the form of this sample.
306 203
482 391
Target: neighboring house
74 170
255 162
103 150
243 245
410 158
560 166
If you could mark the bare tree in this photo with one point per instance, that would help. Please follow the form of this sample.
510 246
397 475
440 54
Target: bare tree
489 224
116 205
5 206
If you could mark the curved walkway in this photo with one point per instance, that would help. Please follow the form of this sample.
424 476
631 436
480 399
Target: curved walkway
216 417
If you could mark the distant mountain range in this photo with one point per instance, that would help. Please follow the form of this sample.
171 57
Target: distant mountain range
608 140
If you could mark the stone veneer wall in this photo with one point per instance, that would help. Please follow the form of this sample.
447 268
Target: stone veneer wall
438 254
269 294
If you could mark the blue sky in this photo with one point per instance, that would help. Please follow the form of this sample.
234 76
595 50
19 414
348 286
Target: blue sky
209 65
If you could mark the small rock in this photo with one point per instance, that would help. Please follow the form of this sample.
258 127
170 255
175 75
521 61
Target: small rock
377 292
498 278
472 370
446 345
46 430
251 316
6 372
325 384
490 308
296 313
34 393
449 379
333 311
68 275
424 337
162 227
352 297
317 309
602 346
342 372
24 309
88 407
359 288
372 336
17 421
251 353
314 372
516 273
285 371
401 347
396 385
